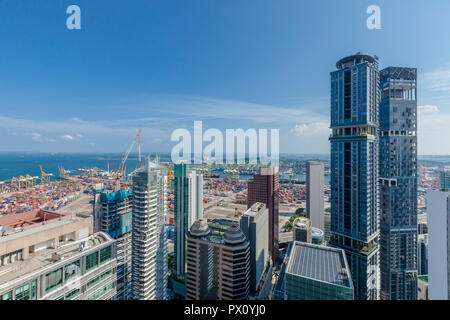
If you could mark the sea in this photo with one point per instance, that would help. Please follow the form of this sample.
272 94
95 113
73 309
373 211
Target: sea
21 164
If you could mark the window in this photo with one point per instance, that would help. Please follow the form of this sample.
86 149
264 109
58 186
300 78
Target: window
72 270
92 282
27 291
6 296
101 292
105 254
92 261
72 294
53 280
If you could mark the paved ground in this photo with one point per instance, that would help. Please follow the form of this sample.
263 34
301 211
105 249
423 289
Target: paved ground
80 205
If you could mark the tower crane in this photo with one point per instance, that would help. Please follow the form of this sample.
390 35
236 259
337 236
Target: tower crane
122 164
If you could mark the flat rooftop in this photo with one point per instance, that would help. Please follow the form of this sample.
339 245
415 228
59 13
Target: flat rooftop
319 263
46 257
19 232
27 219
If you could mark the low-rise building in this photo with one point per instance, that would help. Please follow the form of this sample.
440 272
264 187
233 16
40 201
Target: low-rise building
316 272
51 256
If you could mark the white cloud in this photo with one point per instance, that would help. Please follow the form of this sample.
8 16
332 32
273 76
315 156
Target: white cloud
438 81
36 136
311 129
427 109
67 137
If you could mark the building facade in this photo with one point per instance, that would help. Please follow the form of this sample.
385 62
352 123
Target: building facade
314 193
115 218
181 211
438 215
149 238
264 188
195 211
302 230
355 97
50 256
255 226
317 273
218 263
398 183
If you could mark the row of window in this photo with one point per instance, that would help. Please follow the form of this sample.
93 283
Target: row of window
54 279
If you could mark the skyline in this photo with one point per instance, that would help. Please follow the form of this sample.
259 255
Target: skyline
162 66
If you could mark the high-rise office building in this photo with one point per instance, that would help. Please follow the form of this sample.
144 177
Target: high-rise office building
444 176
314 193
181 209
422 254
188 207
115 218
317 273
51 256
398 183
264 188
195 211
355 100
438 215
255 226
149 238
218 263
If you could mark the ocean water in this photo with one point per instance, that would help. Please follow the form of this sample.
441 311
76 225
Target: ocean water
15 164
20 164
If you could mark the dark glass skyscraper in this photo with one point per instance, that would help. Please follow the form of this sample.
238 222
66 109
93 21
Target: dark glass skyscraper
398 184
181 205
355 97
264 188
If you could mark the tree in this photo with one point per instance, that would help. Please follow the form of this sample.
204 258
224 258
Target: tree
300 212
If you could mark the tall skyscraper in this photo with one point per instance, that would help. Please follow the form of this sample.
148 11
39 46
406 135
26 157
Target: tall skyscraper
188 207
255 226
438 215
264 188
314 193
398 183
115 218
444 176
355 100
195 211
181 209
149 239
218 263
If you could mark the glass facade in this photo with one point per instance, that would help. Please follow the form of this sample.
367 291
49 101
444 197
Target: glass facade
27 291
398 184
92 261
299 288
354 101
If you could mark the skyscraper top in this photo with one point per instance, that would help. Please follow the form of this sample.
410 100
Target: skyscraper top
359 57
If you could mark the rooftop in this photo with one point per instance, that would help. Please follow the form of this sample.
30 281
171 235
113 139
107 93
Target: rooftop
12 221
49 256
319 263
10 233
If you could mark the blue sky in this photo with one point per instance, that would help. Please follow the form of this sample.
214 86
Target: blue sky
161 64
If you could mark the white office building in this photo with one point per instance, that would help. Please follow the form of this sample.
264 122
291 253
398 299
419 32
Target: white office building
438 212
314 194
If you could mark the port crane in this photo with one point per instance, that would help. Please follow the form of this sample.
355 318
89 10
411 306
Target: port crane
45 177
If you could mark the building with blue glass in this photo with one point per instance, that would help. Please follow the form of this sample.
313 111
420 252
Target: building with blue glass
355 98
398 183
114 217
